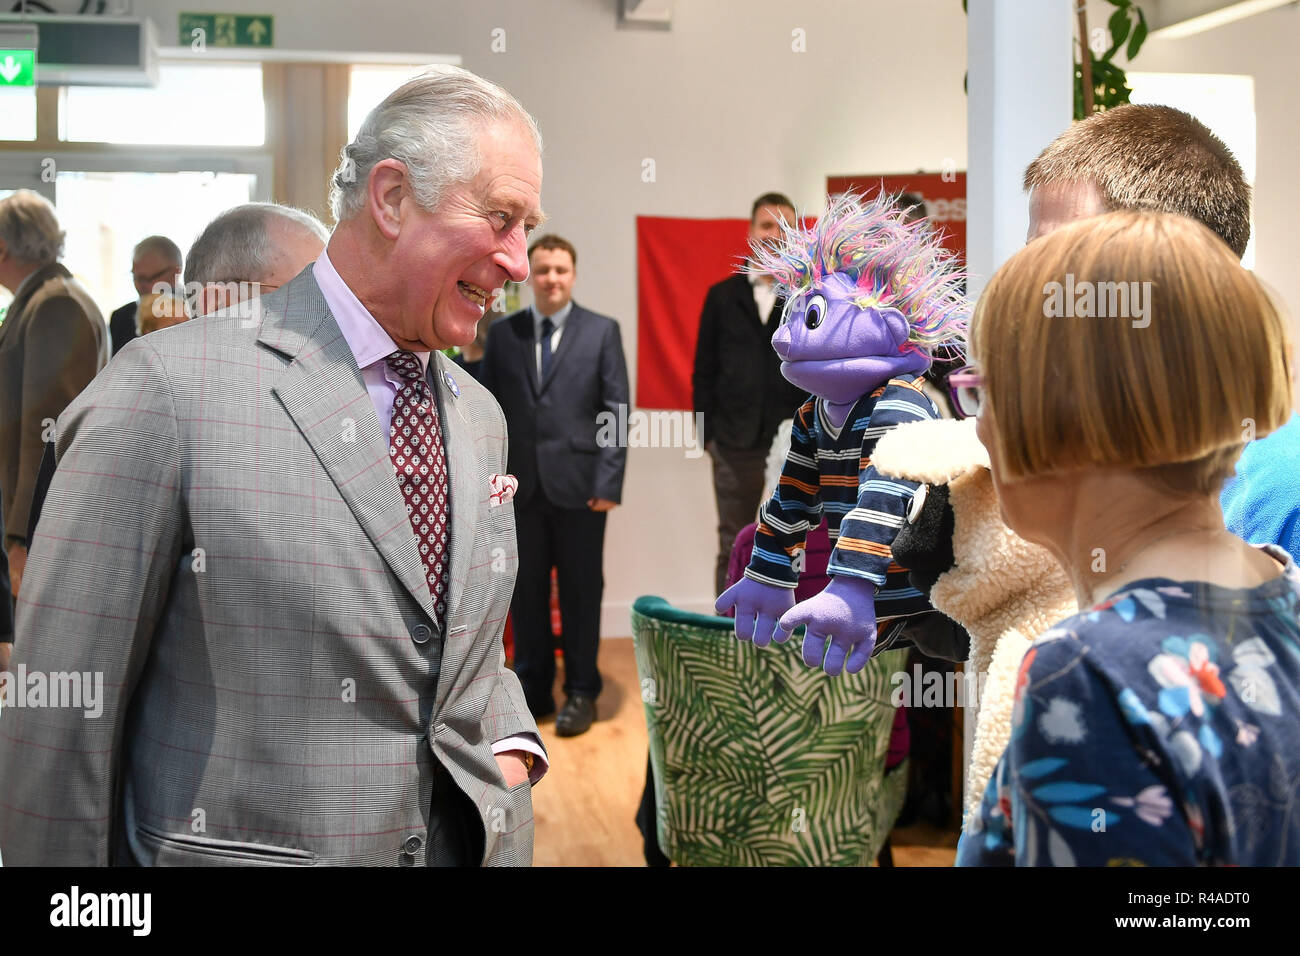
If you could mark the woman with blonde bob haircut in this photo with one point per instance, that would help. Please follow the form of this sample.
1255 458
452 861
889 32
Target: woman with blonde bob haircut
1122 364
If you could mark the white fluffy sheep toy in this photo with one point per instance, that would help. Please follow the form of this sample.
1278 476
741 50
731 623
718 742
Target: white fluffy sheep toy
1003 590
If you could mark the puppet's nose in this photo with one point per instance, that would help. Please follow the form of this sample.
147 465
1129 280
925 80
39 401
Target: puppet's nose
781 342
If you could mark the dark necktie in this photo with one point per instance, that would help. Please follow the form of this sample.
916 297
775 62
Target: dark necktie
415 447
548 328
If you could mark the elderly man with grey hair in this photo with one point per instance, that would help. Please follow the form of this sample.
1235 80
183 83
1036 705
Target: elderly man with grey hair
298 594
248 251
155 268
52 343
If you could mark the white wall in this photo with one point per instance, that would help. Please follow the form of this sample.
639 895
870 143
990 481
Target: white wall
725 108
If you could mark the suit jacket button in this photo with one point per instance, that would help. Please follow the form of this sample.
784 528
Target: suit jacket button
422 634
412 845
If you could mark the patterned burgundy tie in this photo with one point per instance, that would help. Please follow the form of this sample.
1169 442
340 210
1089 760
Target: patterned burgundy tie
415 447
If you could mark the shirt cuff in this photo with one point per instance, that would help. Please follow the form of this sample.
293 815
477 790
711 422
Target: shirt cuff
531 743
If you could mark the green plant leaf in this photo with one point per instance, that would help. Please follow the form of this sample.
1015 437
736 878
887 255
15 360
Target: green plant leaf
1139 35
1119 25
1103 72
741 737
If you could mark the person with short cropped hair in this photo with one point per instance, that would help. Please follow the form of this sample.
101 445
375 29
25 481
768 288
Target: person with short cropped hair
1139 722
1140 156
248 251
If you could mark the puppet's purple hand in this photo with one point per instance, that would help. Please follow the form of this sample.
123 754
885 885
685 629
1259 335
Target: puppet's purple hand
753 599
843 614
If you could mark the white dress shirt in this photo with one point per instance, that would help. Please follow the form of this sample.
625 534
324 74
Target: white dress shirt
764 296
558 321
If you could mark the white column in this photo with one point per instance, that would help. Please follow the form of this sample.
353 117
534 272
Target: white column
1020 96
1020 82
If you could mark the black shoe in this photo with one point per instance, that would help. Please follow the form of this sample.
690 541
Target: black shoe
541 711
575 716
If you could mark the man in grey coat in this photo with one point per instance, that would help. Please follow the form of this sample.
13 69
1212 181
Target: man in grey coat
282 537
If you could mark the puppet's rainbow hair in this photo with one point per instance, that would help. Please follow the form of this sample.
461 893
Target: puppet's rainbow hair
894 264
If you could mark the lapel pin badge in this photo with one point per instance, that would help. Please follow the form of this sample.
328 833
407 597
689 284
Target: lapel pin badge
451 384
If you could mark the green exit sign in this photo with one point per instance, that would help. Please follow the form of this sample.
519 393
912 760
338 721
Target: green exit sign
227 29
17 68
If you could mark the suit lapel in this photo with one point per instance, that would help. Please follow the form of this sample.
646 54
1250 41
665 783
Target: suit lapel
745 299
468 487
571 332
323 392
522 325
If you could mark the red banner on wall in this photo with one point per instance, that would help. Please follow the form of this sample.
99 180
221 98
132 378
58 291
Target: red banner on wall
679 259
676 262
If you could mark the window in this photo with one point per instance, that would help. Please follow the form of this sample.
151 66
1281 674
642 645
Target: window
18 113
1223 102
369 84
104 214
210 104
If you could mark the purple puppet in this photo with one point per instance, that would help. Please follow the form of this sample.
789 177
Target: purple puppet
870 299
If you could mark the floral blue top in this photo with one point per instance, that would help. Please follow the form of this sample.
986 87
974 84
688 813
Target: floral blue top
1160 728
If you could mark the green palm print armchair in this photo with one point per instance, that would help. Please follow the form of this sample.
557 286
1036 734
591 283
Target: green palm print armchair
760 760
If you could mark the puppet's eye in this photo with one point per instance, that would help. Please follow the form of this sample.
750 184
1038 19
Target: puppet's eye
812 315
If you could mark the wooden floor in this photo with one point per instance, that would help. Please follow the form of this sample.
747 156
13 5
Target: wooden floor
586 805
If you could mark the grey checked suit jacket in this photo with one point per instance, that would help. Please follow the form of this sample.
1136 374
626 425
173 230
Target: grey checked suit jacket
225 540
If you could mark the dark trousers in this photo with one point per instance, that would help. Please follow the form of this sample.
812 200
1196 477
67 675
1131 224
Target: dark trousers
571 540
738 490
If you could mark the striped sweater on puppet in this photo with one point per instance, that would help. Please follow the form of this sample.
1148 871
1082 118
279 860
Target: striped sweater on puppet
828 473
870 298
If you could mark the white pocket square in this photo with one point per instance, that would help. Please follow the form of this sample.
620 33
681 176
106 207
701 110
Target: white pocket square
503 488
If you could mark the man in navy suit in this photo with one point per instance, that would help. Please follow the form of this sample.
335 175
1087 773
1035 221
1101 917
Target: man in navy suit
555 367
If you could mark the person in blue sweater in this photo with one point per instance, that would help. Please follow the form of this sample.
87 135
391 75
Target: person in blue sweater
1160 725
1140 156
1261 502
